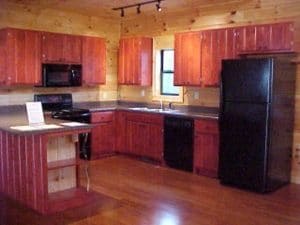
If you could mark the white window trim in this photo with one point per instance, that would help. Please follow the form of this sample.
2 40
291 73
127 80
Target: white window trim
156 79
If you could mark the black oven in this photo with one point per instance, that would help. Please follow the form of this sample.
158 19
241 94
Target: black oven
61 75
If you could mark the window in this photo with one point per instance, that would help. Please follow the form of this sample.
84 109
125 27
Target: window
167 73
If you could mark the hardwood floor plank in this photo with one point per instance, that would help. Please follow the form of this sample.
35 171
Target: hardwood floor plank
132 192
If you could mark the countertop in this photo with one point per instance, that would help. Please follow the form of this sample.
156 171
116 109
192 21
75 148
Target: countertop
16 115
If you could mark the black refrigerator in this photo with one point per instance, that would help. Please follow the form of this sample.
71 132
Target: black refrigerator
256 123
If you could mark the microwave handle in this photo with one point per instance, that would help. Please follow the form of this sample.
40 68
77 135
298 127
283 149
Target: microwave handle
44 78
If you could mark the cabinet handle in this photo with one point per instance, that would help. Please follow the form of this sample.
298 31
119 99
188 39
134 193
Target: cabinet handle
44 56
44 37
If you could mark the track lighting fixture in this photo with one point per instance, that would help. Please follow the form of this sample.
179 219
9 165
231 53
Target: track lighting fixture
138 9
158 8
138 6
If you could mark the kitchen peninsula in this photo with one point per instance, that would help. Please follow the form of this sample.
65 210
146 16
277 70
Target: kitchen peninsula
39 167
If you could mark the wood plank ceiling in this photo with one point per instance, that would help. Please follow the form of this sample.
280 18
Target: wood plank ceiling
103 8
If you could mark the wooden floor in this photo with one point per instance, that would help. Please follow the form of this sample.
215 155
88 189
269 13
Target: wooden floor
132 192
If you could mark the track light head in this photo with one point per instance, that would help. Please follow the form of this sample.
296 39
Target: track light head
138 9
158 8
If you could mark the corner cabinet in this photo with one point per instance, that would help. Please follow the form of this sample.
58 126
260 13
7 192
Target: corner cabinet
93 60
135 61
206 147
20 57
42 170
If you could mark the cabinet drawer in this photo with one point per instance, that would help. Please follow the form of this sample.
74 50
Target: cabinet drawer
206 126
97 117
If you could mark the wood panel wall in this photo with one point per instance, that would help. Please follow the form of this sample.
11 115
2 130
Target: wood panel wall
46 19
220 14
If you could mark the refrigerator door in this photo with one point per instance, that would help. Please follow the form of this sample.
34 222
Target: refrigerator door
243 145
246 80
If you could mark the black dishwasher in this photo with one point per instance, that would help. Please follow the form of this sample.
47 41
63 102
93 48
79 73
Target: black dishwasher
178 142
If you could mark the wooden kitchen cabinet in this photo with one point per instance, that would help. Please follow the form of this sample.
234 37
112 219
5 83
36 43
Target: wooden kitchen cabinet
266 38
206 147
187 67
216 45
61 48
135 61
103 134
144 135
93 60
20 57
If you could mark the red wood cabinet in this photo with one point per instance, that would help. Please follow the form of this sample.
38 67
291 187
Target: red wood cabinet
93 60
187 67
206 147
216 45
103 134
135 61
61 48
267 38
144 135
20 57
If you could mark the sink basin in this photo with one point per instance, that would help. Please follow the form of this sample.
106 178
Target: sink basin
155 109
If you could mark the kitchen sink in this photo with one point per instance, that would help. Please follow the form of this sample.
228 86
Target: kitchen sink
167 110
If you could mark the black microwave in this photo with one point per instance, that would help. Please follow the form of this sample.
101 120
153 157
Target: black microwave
61 75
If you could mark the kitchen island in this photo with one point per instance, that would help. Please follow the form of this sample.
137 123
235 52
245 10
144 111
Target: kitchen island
40 167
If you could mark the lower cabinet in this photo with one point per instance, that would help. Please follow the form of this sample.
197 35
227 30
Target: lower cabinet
103 134
206 147
144 135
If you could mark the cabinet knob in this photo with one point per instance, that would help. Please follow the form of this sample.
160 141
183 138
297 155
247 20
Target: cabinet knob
44 56
44 37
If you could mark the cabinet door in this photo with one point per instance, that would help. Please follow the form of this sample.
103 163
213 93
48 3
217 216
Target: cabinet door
125 61
136 138
206 154
121 131
72 49
210 77
61 48
187 69
93 60
23 56
263 36
102 139
52 47
135 61
154 144
206 147
282 37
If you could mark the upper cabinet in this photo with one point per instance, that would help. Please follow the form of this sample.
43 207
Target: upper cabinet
93 60
61 48
187 69
268 38
135 61
199 55
20 57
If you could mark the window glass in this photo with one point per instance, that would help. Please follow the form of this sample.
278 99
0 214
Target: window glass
167 73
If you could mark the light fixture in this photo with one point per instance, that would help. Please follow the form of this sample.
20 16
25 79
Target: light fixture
138 9
158 8
138 6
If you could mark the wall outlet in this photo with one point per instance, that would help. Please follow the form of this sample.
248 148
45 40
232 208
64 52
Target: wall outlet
143 93
196 95
104 95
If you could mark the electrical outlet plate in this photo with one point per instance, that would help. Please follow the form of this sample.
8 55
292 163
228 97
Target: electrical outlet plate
196 95
143 93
